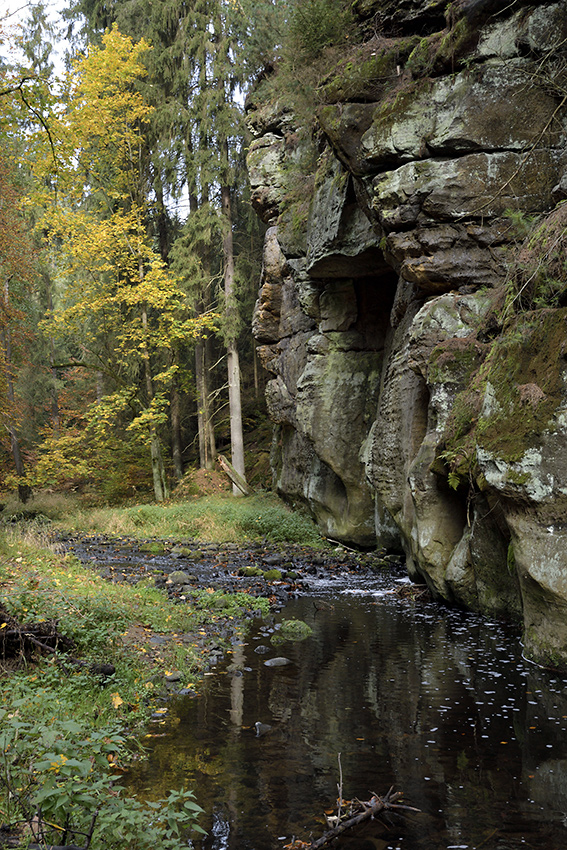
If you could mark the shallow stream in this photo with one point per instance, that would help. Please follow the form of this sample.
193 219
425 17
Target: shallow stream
436 702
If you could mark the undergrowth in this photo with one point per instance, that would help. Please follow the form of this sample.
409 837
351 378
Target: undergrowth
218 519
65 734
58 774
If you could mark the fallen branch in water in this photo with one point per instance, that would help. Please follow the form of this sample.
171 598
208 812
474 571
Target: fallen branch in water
368 810
413 592
359 812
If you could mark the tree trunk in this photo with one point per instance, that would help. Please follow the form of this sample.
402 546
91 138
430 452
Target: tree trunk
175 409
209 422
161 490
55 412
234 403
24 490
207 448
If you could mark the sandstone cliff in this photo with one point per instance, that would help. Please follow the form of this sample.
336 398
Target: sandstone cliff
418 352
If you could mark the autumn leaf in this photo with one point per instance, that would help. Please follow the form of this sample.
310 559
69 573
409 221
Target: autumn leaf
117 700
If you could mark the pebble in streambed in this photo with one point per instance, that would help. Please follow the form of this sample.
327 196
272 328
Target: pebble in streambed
180 566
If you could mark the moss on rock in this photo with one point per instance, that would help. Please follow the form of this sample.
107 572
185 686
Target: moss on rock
291 630
510 398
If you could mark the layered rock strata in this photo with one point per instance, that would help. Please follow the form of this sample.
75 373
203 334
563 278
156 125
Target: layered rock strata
416 406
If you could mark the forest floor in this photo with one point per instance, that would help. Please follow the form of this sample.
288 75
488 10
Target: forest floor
106 613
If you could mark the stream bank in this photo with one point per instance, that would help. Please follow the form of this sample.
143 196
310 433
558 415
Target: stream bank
186 569
438 703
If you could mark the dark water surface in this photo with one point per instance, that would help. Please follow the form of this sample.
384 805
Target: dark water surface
438 703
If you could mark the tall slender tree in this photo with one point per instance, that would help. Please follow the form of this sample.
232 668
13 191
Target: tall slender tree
17 268
118 286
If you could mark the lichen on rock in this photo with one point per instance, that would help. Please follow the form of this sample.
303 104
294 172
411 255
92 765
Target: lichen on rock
419 371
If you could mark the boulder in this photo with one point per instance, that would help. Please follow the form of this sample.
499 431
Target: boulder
417 387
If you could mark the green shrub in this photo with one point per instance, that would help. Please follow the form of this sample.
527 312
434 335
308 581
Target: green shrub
59 776
316 24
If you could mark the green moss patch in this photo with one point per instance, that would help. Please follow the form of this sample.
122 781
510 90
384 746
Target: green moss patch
291 630
511 397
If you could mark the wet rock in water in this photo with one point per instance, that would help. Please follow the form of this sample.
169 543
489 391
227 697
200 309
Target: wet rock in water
262 649
280 661
179 577
159 715
261 728
250 572
393 559
180 552
291 630
274 560
153 547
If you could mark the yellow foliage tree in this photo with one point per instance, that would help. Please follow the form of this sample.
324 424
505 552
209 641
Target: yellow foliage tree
121 307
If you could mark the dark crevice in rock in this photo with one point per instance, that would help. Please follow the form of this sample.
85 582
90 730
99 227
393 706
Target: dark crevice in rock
414 405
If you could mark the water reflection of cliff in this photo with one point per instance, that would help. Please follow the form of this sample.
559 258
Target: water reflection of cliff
439 704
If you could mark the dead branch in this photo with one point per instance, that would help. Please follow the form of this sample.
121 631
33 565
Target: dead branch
234 476
22 639
366 810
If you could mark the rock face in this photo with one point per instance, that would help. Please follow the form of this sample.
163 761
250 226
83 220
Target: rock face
419 399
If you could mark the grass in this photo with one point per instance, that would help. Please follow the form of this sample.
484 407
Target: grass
113 622
219 518
65 734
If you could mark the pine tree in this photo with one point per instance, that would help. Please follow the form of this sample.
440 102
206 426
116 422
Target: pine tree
122 306
197 73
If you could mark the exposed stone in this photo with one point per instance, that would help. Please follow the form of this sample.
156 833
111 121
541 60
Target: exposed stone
340 240
481 111
416 407
475 186
265 159
179 577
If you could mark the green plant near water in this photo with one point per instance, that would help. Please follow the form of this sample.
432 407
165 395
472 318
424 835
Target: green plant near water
107 621
91 612
214 518
63 733
59 776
